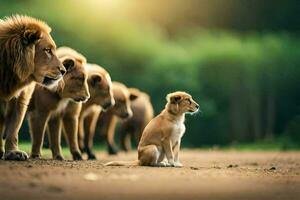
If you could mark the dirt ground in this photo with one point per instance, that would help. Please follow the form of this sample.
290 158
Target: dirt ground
206 175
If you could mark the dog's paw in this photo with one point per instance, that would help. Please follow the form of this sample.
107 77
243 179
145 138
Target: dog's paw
170 163
162 164
76 155
178 164
17 155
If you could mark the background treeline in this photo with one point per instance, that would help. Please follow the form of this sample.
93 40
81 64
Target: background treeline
242 64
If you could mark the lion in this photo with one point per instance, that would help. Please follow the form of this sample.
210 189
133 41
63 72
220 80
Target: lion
161 138
142 111
102 98
47 108
27 56
107 120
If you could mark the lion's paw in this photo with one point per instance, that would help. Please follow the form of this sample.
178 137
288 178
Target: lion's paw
58 157
76 155
17 155
1 155
35 156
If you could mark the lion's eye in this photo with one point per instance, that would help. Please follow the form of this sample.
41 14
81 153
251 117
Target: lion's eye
48 50
190 102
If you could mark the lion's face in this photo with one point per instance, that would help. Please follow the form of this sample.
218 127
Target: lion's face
100 86
75 80
122 97
48 69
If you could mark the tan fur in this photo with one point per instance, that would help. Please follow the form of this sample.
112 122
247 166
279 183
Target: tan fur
107 120
142 113
27 55
101 97
162 136
48 107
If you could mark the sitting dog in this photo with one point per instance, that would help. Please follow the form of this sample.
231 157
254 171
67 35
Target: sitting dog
162 136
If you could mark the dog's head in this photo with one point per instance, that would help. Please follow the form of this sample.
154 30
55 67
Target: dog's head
181 102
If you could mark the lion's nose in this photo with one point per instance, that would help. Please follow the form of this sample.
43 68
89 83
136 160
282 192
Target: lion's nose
107 105
62 71
197 106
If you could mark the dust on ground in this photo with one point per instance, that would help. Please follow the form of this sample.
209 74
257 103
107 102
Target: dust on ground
206 175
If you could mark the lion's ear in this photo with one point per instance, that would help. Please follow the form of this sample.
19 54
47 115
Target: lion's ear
95 79
31 36
68 63
133 93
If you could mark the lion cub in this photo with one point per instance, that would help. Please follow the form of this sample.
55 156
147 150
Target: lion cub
162 136
47 105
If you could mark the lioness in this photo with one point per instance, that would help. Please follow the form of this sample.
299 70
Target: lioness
142 113
49 106
101 97
27 56
162 136
108 119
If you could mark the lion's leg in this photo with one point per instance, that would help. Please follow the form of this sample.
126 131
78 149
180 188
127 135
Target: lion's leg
81 133
37 125
54 132
91 122
15 116
110 138
70 123
127 141
2 119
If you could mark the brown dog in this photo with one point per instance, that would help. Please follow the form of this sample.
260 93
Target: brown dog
162 136
107 120
142 113
27 56
49 107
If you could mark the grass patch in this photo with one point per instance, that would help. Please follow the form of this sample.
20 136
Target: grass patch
46 152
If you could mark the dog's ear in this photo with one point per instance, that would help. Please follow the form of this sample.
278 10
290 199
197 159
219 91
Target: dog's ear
175 99
68 63
31 36
95 79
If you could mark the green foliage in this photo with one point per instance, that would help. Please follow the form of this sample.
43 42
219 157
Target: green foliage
246 83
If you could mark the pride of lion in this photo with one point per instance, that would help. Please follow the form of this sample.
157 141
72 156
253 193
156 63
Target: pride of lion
62 93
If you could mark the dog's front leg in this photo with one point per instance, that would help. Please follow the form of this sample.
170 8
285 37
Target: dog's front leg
167 146
176 152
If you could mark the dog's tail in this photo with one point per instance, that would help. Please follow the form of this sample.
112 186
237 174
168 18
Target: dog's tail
123 163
